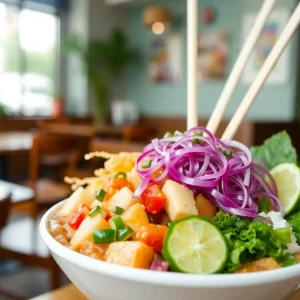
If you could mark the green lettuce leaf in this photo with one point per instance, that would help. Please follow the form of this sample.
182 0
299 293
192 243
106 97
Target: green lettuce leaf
248 240
287 260
276 150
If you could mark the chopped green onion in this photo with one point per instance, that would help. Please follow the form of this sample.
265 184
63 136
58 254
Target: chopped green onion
219 148
168 134
169 223
104 236
118 210
116 223
283 234
227 153
178 133
146 164
124 234
121 175
95 211
101 195
198 132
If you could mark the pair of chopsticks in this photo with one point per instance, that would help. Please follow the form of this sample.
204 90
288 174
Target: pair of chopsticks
262 75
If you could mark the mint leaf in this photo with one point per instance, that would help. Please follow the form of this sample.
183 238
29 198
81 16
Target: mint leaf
276 150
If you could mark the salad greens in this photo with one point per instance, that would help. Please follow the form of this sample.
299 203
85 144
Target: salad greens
249 240
294 221
276 150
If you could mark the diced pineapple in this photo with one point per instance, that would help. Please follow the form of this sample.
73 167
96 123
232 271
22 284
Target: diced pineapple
205 207
134 178
96 203
94 188
123 198
129 253
86 229
80 196
135 216
180 201
263 264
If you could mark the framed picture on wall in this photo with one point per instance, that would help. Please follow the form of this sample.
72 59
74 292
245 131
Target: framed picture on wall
212 56
165 59
268 38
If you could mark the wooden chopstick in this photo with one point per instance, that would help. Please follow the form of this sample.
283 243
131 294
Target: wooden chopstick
239 66
263 74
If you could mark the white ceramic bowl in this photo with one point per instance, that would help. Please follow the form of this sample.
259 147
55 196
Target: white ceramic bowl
103 281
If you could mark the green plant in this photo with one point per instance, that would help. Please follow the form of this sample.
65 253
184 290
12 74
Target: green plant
103 62
4 112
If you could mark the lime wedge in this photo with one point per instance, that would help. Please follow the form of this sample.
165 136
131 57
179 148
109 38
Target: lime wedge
193 245
287 178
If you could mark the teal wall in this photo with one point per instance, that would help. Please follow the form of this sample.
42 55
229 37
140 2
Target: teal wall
273 103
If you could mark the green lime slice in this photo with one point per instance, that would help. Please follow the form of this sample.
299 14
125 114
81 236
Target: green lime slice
194 245
287 178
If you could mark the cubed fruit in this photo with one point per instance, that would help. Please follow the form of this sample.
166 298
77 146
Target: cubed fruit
130 253
297 257
134 178
263 264
79 197
122 198
135 216
180 201
152 235
205 207
86 229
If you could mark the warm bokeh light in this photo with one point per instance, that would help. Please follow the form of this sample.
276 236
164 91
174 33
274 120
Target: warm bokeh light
158 27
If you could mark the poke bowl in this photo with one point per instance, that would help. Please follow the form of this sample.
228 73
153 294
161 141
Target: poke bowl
148 226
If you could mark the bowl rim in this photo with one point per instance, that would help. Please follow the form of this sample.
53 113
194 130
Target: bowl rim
160 278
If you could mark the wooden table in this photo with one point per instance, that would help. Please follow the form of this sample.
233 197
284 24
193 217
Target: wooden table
104 130
70 292
18 192
11 142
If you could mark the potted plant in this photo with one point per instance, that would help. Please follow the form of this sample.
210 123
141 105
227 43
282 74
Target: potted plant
4 112
103 62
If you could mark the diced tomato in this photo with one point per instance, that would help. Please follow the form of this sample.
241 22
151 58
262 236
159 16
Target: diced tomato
152 235
156 174
78 216
114 185
153 199
108 216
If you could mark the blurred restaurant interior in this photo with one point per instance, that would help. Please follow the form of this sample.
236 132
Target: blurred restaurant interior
109 75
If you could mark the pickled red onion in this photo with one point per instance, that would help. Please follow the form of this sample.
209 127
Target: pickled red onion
198 162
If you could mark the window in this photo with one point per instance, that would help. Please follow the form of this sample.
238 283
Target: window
29 42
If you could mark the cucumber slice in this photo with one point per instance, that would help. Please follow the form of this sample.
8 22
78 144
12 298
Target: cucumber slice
116 223
194 245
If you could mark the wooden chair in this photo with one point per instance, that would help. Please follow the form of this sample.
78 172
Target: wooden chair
19 239
115 146
47 191
112 146
138 133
